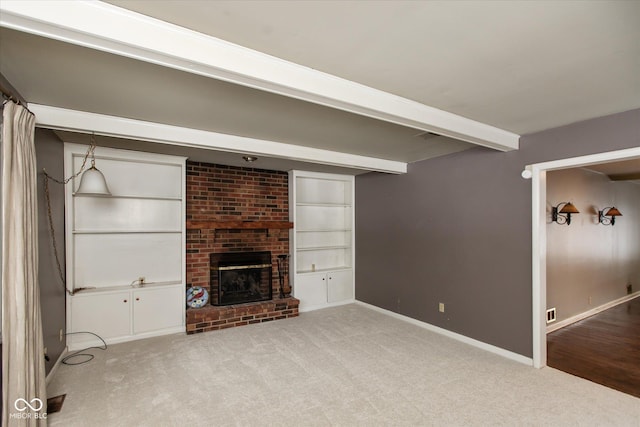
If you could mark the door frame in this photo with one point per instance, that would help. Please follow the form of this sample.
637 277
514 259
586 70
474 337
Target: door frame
538 174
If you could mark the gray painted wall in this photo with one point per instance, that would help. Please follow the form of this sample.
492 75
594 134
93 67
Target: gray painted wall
589 264
457 230
50 155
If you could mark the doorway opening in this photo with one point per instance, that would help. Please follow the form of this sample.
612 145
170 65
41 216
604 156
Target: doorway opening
538 174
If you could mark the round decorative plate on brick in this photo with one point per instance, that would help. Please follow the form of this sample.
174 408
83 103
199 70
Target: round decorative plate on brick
197 297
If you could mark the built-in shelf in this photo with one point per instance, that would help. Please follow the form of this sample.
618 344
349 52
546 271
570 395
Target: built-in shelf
321 205
116 196
93 289
325 205
325 270
126 231
111 242
324 248
239 225
324 230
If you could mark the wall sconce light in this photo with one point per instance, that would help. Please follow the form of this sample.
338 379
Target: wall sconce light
608 217
563 215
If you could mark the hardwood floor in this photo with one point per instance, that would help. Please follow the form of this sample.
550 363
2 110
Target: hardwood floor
604 348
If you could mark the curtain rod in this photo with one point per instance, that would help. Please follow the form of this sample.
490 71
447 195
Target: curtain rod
11 94
8 96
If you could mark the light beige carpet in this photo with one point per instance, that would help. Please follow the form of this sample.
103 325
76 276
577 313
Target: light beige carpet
344 366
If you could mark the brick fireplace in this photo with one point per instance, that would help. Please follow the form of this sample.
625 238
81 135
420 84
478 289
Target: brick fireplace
234 210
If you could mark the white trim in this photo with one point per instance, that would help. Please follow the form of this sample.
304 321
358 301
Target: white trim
458 337
539 236
587 160
120 127
539 275
127 156
581 316
308 308
109 28
56 365
80 345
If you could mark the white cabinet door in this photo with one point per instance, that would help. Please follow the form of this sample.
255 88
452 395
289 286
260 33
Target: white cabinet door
311 290
340 286
157 308
104 314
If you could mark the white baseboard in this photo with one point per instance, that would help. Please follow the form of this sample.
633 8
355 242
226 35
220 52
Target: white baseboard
75 344
578 317
56 365
458 337
305 308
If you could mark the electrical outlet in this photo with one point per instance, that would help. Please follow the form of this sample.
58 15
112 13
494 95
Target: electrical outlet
551 315
45 351
61 335
441 307
590 301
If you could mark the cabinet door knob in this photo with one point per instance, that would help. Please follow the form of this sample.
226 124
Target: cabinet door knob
323 278
137 299
124 301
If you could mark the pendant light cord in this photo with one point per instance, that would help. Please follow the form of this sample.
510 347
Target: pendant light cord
52 231
89 153
47 197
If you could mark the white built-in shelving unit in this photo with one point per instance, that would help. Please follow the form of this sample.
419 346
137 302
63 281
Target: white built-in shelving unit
112 241
322 244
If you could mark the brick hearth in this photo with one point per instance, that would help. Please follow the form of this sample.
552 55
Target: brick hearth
211 318
232 194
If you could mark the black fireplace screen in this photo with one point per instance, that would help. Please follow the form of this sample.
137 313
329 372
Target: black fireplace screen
240 277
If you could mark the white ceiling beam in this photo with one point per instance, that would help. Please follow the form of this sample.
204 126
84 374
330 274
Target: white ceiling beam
122 32
120 127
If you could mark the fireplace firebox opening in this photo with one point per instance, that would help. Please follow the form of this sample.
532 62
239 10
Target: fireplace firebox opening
240 277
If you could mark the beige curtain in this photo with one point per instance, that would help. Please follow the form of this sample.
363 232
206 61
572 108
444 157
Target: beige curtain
24 397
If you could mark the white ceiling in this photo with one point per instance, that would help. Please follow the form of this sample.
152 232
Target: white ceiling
627 170
520 66
51 72
517 66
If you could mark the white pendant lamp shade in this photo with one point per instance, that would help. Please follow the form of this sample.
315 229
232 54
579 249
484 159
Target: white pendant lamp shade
92 183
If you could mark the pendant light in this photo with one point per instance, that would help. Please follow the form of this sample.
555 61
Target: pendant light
92 181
